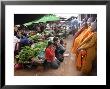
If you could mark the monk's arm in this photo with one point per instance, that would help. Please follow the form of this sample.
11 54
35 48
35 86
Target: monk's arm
76 35
86 40
78 32
90 43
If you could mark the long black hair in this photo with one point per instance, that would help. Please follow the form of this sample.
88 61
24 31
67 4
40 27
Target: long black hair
49 43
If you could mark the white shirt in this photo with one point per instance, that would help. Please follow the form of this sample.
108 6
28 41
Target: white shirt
16 40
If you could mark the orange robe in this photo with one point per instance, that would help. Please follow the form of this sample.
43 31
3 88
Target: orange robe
79 39
86 57
86 40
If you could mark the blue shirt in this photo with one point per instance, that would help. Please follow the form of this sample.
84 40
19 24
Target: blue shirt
24 40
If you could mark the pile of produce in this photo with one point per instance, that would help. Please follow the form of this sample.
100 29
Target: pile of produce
46 32
27 52
39 48
41 44
25 55
34 38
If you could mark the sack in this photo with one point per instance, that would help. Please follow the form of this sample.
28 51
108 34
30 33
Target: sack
18 66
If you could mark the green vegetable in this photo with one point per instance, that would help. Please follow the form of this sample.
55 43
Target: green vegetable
25 54
39 47
34 38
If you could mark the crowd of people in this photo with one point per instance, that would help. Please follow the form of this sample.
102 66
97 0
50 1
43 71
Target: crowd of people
54 50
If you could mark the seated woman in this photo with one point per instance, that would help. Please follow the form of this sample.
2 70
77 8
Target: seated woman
59 49
86 51
62 42
50 60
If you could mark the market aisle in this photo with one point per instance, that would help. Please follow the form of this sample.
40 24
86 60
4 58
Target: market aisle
66 68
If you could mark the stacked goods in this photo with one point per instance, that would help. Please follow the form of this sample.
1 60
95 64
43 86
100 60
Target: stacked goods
34 38
25 55
41 45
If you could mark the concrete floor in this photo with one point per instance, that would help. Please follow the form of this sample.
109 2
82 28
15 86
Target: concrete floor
67 67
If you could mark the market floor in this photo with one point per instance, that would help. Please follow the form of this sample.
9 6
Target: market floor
67 67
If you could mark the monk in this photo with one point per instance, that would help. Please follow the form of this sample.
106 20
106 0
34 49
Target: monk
80 36
85 48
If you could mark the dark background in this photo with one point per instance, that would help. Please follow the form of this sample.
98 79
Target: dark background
25 18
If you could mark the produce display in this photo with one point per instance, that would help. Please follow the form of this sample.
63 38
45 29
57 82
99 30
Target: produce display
46 32
25 55
27 52
36 52
32 48
41 45
34 38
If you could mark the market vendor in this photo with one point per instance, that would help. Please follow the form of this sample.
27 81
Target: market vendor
24 41
50 59
59 49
